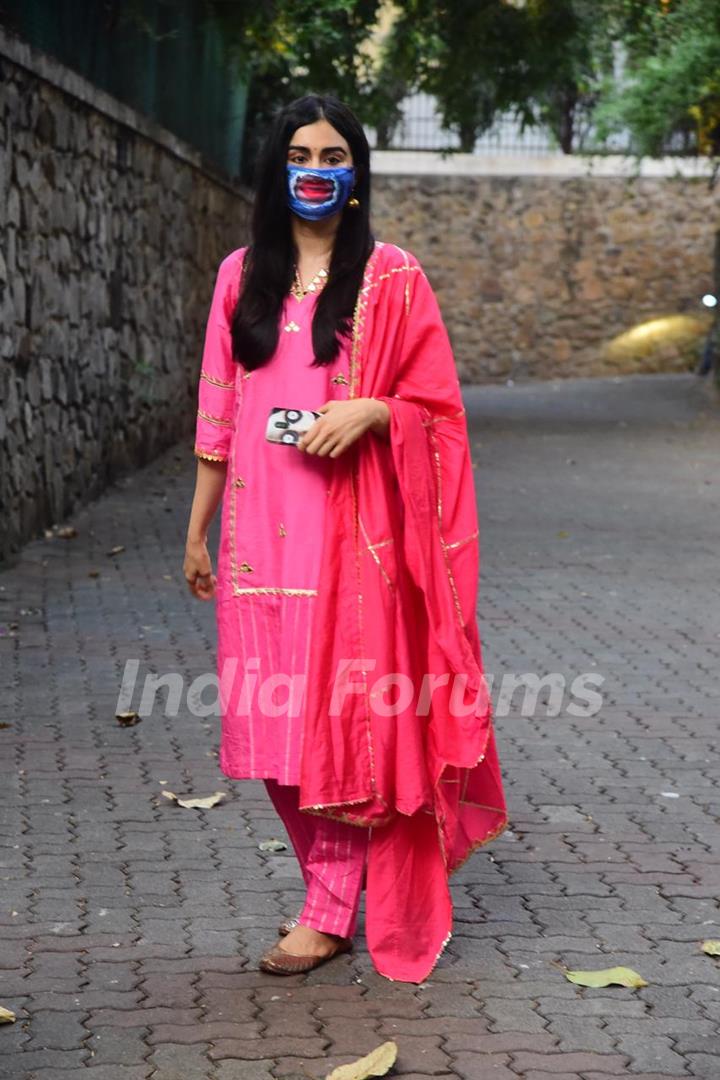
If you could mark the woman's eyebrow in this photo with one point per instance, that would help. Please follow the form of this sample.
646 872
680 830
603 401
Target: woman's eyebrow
325 149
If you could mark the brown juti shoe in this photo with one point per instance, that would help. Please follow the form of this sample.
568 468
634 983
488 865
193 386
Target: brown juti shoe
279 961
288 924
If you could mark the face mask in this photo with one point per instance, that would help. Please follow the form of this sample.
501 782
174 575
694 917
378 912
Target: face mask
317 193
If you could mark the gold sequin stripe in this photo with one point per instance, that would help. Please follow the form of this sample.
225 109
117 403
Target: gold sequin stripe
371 549
233 510
448 568
358 331
458 543
217 382
493 835
359 321
358 570
382 543
209 457
219 420
326 810
272 590
361 305
437 419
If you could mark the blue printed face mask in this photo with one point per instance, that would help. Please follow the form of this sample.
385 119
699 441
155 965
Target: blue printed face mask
317 193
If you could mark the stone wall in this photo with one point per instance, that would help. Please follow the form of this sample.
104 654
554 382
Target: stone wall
537 274
111 231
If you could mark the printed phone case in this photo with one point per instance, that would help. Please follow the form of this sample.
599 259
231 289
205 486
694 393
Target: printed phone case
287 425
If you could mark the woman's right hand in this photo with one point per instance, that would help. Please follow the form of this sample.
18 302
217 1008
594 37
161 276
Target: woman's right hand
197 569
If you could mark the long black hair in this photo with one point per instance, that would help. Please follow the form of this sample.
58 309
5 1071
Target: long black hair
268 268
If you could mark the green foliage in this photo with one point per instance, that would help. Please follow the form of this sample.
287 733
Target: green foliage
294 47
672 82
547 61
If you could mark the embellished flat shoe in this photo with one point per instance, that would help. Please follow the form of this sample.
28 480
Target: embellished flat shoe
288 924
278 961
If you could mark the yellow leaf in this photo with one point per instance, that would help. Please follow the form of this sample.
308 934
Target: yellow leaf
617 976
195 804
376 1063
712 948
6 1017
272 845
127 719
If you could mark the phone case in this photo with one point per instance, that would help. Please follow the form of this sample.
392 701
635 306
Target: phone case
287 425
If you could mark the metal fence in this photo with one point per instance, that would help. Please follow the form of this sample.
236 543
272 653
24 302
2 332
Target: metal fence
165 59
421 128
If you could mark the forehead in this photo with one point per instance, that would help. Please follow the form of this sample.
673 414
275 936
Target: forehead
318 136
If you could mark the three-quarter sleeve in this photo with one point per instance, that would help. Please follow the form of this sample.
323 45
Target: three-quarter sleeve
218 370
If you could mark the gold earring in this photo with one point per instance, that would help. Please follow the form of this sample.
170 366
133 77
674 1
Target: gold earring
352 201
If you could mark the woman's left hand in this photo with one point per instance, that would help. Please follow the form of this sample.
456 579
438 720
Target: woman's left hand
341 423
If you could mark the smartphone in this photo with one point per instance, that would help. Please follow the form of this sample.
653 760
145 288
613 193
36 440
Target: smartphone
287 425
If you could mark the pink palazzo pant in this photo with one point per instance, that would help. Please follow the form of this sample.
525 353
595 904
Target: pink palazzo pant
332 857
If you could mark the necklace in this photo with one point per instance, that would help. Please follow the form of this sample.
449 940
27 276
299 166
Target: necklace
298 290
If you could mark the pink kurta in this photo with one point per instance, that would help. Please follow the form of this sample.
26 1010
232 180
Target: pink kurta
271 531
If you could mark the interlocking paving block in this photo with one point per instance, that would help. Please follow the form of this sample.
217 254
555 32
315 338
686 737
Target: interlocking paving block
130 928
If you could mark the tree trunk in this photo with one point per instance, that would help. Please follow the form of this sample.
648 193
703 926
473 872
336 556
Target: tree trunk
566 119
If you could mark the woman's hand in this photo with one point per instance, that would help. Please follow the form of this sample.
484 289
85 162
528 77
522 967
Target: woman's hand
197 569
342 423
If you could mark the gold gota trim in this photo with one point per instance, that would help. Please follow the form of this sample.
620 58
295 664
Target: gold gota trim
492 835
371 549
448 568
388 273
208 457
217 382
233 511
437 419
272 590
359 321
382 543
219 420
458 543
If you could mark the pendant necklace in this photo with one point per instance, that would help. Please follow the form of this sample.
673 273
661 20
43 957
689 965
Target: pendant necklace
299 291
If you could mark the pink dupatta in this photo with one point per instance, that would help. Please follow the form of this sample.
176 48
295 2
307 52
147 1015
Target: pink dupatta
397 599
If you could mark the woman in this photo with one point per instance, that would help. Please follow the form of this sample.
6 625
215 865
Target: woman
348 652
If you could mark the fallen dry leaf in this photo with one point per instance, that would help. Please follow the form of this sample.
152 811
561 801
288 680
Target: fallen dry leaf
376 1063
6 1016
712 948
128 719
93 573
617 976
272 845
203 803
67 532
116 550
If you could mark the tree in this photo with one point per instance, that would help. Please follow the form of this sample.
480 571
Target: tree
671 87
292 47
